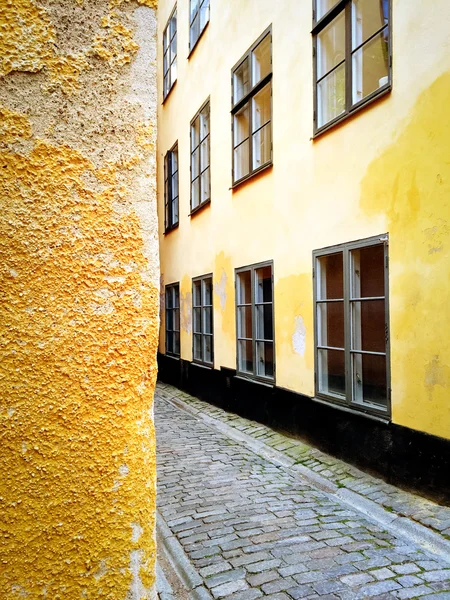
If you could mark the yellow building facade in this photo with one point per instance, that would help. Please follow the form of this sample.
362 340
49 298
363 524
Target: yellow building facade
326 138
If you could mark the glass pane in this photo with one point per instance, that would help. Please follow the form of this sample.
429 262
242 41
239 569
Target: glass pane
245 356
330 324
205 186
165 62
173 25
204 122
166 85
207 348
263 280
169 320
176 342
176 319
194 31
330 276
264 324
369 379
241 81
367 272
204 154
331 46
166 39
175 185
195 140
174 211
207 292
207 320
261 107
241 125
331 96
176 296
244 287
197 320
244 314
195 156
173 49
173 72
195 193
197 347
368 326
264 359
169 298
169 343
368 16
174 160
241 160
193 8
331 372
370 66
197 294
262 146
261 60
204 14
323 6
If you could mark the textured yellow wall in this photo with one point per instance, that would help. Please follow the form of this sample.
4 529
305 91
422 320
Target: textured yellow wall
79 299
385 170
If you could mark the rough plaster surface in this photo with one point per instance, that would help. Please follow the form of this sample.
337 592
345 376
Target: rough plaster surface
79 278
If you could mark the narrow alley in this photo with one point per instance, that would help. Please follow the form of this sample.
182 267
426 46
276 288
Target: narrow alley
239 523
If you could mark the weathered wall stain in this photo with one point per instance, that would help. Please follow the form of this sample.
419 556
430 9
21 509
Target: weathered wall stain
79 302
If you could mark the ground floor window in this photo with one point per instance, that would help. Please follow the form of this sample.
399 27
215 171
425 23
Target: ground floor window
202 319
352 325
173 319
254 316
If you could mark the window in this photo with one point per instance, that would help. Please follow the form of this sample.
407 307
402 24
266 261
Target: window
171 189
200 178
170 53
352 329
352 56
173 319
254 316
202 319
251 111
199 19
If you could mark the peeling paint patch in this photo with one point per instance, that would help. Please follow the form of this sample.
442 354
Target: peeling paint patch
299 336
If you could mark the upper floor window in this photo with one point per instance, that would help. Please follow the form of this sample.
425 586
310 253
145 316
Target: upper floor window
251 110
170 53
171 189
173 319
199 19
352 327
254 314
202 319
352 56
200 159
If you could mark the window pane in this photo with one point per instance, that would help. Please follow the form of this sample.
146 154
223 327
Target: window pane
193 8
195 30
330 324
166 39
369 379
195 140
241 128
244 314
204 14
368 16
175 185
195 194
197 347
262 146
205 186
330 276
204 154
173 72
241 160
367 272
263 280
264 359
173 25
264 324
176 319
197 324
331 372
331 46
207 348
368 326
173 48
174 212
204 122
370 66
244 287
176 342
207 292
331 96
207 320
195 157
261 107
176 296
197 297
169 303
241 81
245 356
169 320
323 6
261 60
169 343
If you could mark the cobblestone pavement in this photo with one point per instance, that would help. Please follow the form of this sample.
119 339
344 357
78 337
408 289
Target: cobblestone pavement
251 529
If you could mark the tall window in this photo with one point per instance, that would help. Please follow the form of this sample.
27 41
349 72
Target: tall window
251 110
200 159
173 319
202 319
170 53
171 188
352 56
352 327
199 18
254 306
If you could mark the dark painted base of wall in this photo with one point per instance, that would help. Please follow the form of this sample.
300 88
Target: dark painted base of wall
404 457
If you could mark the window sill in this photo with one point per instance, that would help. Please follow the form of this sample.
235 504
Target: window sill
171 228
169 92
191 50
362 105
265 383
251 175
200 207
208 367
174 356
380 416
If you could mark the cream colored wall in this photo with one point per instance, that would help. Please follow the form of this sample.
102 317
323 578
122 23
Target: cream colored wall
384 170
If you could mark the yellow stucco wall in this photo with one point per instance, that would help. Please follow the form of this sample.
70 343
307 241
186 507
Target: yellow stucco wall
79 279
384 170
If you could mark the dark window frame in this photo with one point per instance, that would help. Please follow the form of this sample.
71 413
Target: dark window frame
169 199
345 6
244 374
368 408
202 306
167 75
174 290
247 100
200 205
193 45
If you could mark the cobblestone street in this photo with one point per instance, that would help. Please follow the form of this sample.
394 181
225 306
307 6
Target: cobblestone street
250 528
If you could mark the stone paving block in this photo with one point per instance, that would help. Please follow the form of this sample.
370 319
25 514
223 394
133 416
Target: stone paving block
375 589
229 588
264 565
250 594
356 579
217 567
409 580
382 574
327 587
441 575
261 578
225 577
300 591
414 592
